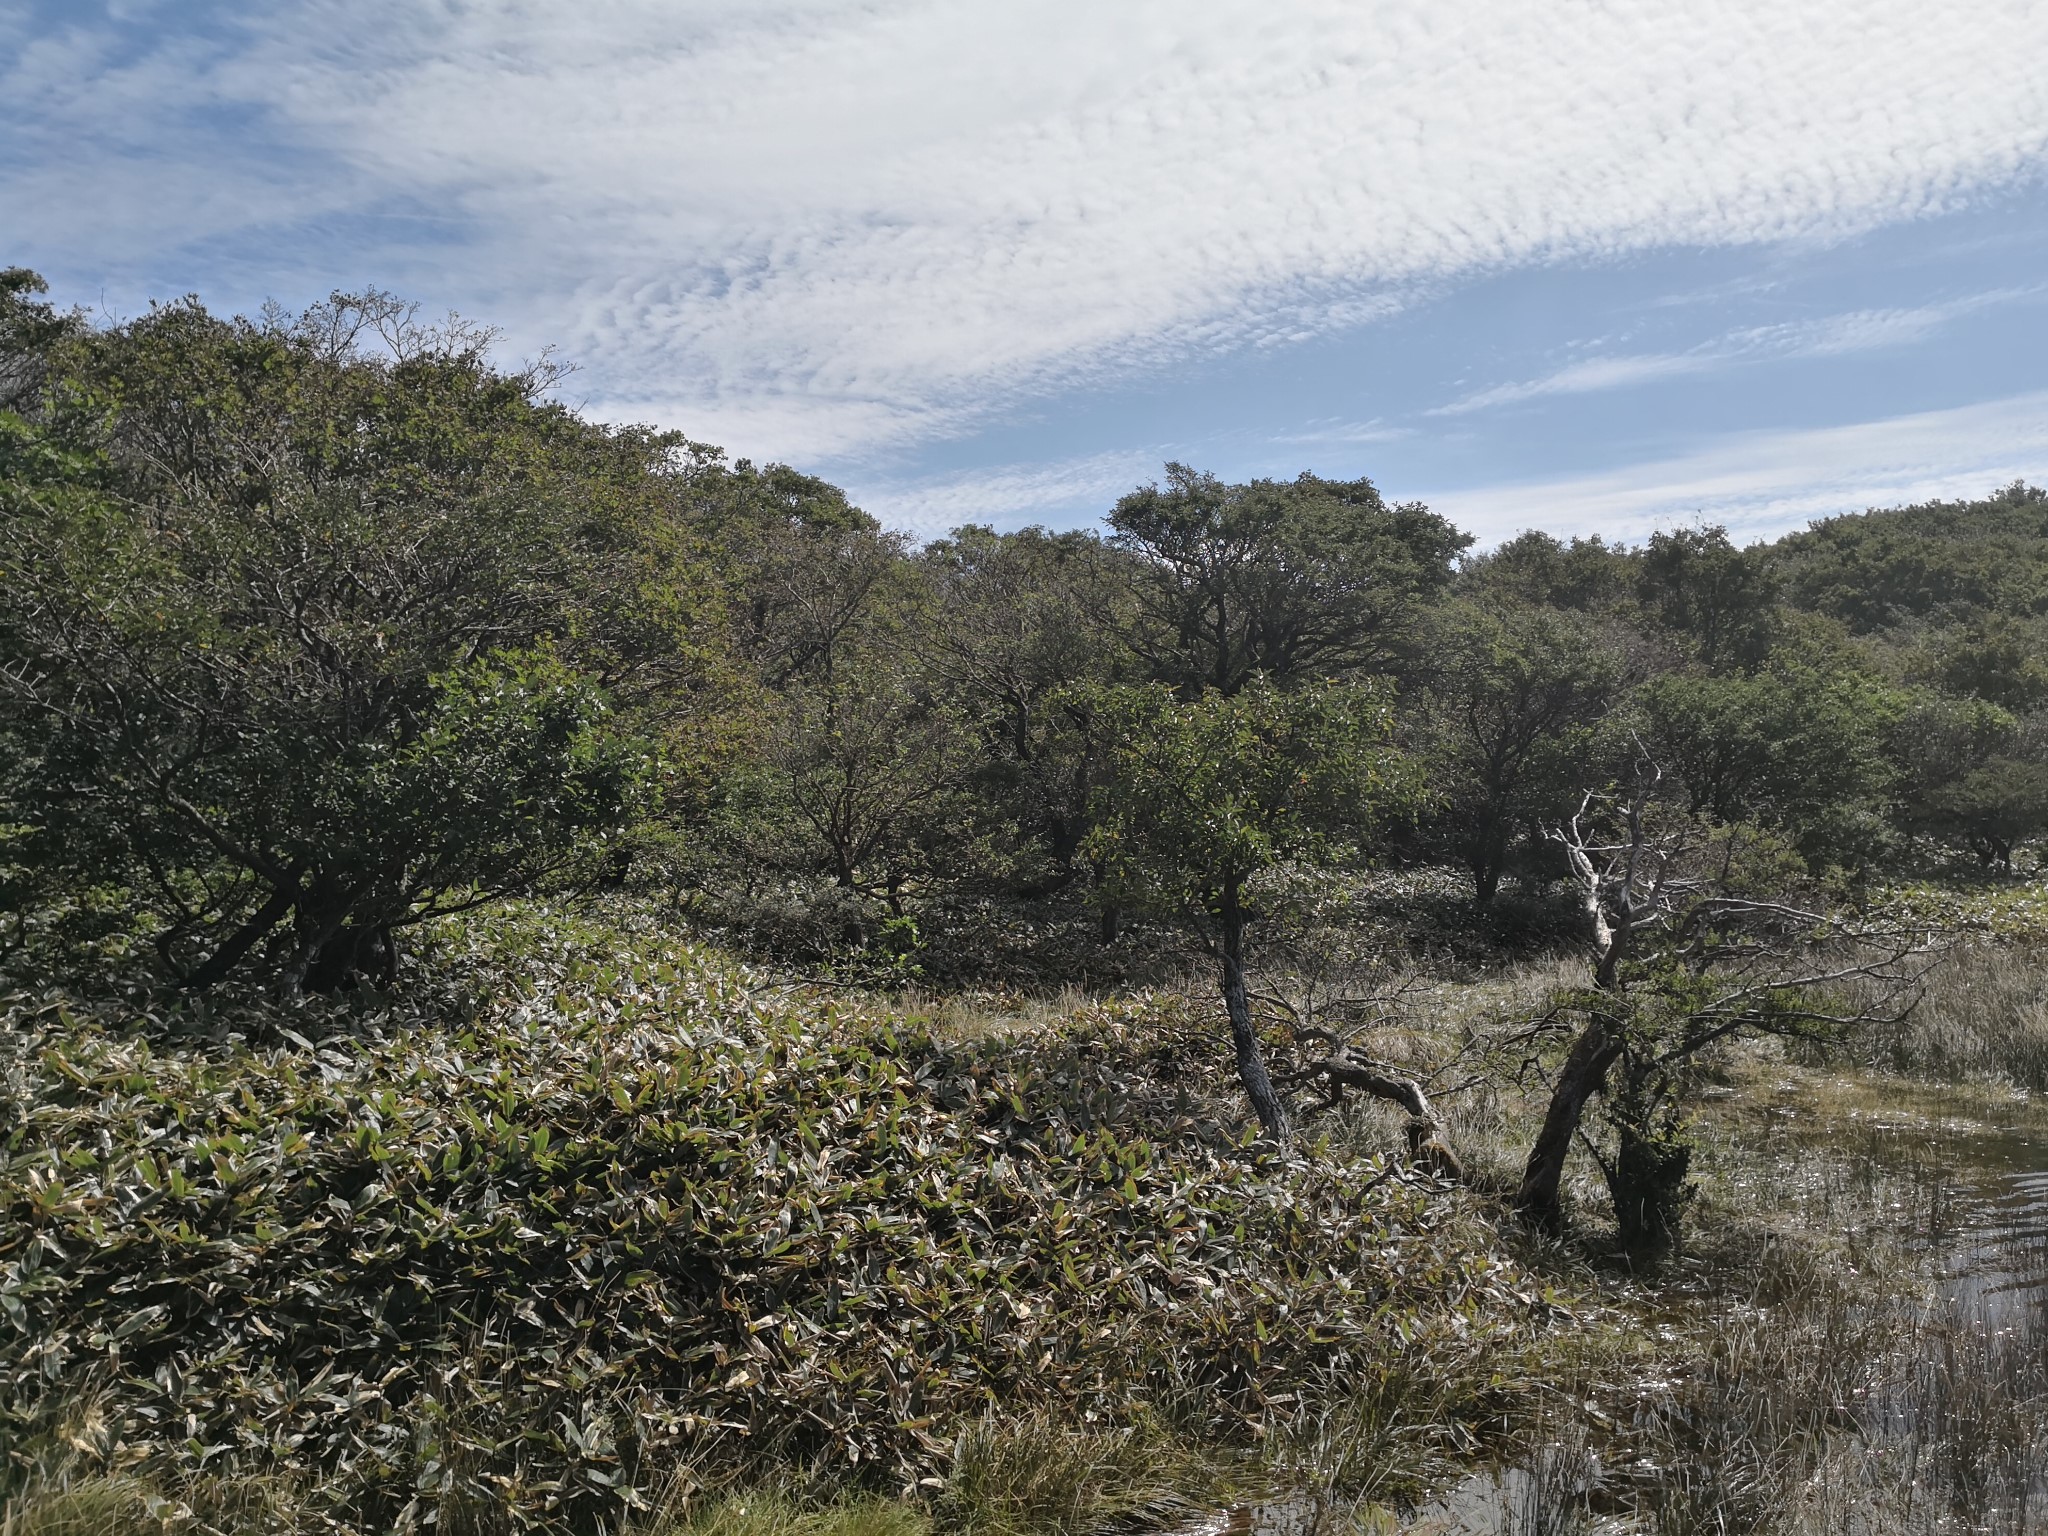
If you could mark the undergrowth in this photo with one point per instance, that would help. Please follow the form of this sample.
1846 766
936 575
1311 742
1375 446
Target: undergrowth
612 1221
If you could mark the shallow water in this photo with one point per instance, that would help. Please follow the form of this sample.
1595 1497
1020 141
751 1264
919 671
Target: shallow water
1990 1243
1980 1217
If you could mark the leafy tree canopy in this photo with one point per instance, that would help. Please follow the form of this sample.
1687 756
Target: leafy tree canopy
1275 578
1204 794
317 625
1943 559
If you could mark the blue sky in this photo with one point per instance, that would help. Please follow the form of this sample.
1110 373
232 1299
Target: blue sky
1589 265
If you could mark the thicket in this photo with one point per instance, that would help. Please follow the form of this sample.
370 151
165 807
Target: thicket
615 1216
318 626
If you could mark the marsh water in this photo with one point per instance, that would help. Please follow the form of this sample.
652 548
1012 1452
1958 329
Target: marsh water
1967 1179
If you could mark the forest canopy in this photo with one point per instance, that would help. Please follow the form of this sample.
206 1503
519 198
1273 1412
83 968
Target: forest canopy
314 627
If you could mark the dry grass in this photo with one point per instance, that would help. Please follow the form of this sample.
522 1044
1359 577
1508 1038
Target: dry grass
1041 1476
764 1512
94 1506
1983 1013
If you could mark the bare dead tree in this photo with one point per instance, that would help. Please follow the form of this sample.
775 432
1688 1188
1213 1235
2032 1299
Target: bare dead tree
1344 1065
1683 954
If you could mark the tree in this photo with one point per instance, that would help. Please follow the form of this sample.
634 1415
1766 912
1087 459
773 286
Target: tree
324 626
1996 806
1940 562
872 783
1512 706
1205 794
1588 575
1721 599
1798 747
1018 623
29 331
1995 658
1274 579
809 574
1972 774
1694 938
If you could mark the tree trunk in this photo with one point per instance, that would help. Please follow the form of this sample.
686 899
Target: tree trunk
322 912
1585 1071
1488 853
1251 1065
1485 884
351 954
241 941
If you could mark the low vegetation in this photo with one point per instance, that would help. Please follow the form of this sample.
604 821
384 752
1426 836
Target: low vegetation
642 1218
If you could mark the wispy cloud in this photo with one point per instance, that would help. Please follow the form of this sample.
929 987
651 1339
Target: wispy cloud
1333 433
1860 330
1011 496
846 225
1763 483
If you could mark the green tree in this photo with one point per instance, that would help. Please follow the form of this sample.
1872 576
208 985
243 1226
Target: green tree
1588 575
30 329
873 786
1996 806
1513 704
1972 774
1279 579
1994 657
323 626
1721 600
1798 747
1942 562
1018 622
1205 794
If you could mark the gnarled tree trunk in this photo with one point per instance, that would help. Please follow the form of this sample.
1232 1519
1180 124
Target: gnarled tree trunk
1584 1074
1244 1038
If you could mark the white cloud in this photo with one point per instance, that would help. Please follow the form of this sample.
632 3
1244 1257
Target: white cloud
1860 330
1761 484
1588 376
1011 496
1334 433
851 224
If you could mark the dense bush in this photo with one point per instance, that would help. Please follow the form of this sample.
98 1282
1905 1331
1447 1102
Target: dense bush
311 628
610 1211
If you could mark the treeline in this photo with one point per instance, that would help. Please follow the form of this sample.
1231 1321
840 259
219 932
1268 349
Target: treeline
316 627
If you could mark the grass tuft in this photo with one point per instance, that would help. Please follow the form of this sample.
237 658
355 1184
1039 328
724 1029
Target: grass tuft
1039 1475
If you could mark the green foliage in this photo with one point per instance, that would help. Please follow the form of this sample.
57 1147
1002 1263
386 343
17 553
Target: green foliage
1798 747
29 329
1881 569
1209 792
1720 599
617 1213
1971 775
2001 660
1587 575
1516 698
298 630
875 787
1018 623
1275 579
